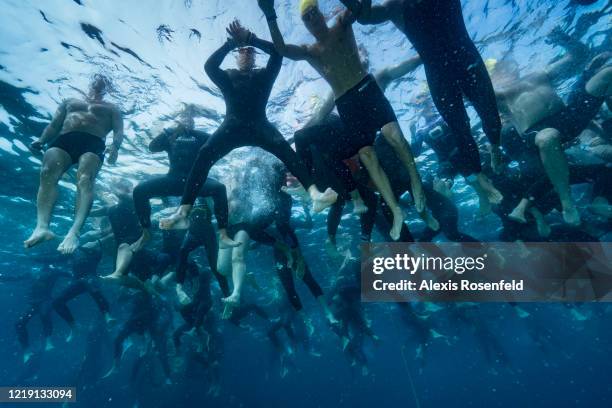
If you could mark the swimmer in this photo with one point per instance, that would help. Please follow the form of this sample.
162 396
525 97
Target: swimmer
76 135
360 101
85 262
545 122
454 70
182 145
246 93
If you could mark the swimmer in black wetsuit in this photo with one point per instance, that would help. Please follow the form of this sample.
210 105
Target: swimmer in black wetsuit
76 135
246 93
182 144
84 265
127 232
200 233
39 301
454 70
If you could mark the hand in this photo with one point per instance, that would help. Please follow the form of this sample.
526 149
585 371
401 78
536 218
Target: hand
113 153
36 146
238 33
267 6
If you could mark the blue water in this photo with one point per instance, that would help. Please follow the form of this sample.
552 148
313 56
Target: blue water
557 356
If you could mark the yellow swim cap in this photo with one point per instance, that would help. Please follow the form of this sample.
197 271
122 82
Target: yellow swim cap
490 63
305 5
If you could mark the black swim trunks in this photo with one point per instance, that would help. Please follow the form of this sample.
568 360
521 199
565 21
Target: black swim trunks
364 109
77 144
581 108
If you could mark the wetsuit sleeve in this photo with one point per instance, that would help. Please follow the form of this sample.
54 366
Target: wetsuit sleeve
275 61
212 66
160 143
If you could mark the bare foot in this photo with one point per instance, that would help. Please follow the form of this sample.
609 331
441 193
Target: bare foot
443 187
571 214
518 215
27 355
177 220
233 299
183 297
115 276
430 220
493 195
40 234
359 207
226 242
69 244
49 345
398 222
323 200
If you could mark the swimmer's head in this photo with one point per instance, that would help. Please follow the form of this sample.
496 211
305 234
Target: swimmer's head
122 187
99 86
312 17
490 63
246 58
186 116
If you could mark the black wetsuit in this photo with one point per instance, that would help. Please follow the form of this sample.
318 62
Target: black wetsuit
39 302
200 233
322 148
454 69
453 158
148 315
182 146
246 95
77 144
195 312
84 280
126 229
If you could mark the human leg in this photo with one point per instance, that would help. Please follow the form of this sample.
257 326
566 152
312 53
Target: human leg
55 163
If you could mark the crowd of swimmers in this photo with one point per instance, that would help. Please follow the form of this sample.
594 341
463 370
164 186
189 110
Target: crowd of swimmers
518 160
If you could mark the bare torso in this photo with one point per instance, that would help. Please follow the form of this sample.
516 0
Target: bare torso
337 59
529 101
95 118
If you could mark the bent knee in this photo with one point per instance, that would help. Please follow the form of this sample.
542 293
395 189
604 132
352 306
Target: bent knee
85 181
50 172
548 138
367 154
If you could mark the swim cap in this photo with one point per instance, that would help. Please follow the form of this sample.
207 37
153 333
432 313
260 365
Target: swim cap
305 5
490 63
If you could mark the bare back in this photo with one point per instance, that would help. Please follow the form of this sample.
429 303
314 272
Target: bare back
95 118
337 59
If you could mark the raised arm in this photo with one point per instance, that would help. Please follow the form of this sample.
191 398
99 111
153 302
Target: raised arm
160 143
573 59
113 149
293 52
368 14
53 128
213 64
385 76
